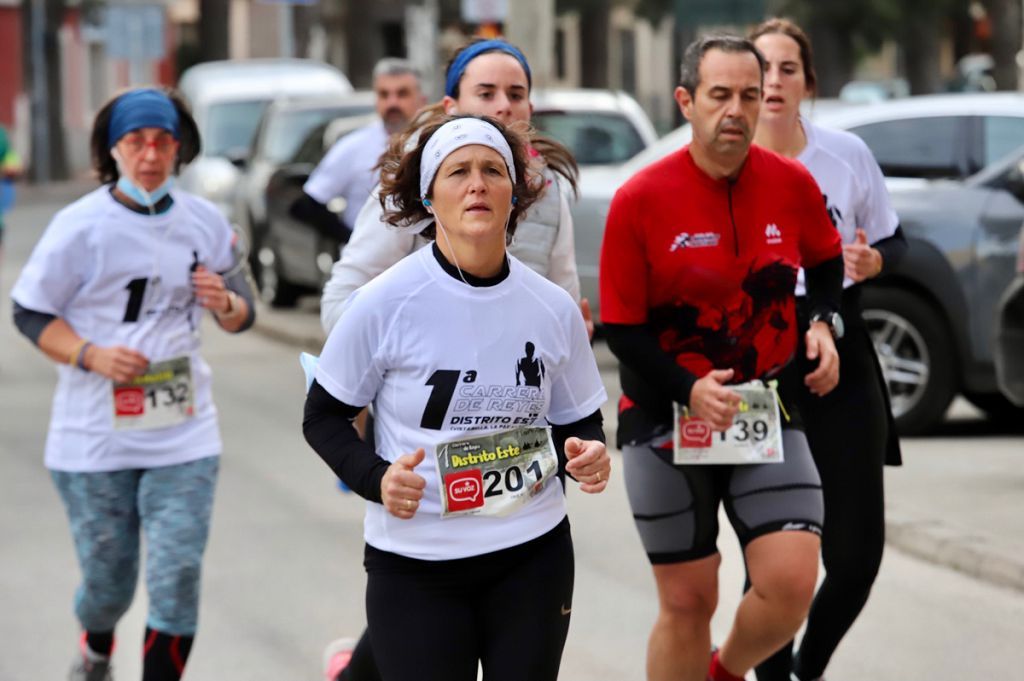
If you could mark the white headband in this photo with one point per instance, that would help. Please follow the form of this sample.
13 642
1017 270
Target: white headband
454 135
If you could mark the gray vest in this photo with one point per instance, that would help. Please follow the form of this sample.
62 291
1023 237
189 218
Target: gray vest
536 231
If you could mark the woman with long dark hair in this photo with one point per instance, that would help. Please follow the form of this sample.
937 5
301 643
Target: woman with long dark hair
850 430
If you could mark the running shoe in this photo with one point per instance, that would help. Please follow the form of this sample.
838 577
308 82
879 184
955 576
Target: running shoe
337 655
88 666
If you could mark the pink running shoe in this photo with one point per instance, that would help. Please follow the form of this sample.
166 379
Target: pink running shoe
336 657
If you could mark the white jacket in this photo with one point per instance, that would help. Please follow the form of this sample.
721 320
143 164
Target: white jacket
543 241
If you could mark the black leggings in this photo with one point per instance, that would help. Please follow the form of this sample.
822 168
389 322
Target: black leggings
509 610
848 431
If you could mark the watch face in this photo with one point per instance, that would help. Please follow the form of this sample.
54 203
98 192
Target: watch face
838 328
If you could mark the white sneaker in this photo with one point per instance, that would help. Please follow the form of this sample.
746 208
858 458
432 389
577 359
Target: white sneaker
89 666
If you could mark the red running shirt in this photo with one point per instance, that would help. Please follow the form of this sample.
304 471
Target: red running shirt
711 265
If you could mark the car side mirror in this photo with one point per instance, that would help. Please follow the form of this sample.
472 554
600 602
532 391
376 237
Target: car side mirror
1013 180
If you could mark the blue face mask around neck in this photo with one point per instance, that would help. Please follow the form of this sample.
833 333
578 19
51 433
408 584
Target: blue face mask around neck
140 196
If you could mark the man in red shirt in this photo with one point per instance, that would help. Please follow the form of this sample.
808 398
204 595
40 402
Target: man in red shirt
698 271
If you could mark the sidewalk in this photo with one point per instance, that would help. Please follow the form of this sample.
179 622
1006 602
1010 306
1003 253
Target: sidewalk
954 503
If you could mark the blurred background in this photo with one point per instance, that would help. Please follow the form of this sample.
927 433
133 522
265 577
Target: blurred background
61 59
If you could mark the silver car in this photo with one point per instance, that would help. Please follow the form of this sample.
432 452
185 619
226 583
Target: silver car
600 127
952 171
228 99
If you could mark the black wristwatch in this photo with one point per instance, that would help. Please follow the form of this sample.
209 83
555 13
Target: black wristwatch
834 321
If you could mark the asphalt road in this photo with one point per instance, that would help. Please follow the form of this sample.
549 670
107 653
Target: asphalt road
283 573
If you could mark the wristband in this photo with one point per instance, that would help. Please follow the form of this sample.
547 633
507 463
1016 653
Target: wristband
73 357
80 361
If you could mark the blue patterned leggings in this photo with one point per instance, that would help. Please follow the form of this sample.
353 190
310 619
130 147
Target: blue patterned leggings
172 506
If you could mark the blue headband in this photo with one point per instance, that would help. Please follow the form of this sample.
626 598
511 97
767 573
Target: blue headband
142 109
458 66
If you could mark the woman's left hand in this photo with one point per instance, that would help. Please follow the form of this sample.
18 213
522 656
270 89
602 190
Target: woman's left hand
210 290
860 261
589 463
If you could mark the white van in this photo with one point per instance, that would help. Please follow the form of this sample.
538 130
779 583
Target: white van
228 99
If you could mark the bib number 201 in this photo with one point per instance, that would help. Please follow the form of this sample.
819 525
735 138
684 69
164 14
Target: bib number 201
513 479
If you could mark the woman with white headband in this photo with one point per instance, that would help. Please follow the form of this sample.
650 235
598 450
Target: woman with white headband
114 292
486 394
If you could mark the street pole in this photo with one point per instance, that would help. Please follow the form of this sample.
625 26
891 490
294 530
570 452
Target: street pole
421 37
40 113
531 26
286 27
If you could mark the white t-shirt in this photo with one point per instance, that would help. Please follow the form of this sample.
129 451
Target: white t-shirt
348 170
852 186
415 320
97 265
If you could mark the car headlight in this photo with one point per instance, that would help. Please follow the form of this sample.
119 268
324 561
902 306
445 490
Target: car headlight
212 178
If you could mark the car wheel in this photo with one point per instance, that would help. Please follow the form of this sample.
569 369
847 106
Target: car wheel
274 289
916 354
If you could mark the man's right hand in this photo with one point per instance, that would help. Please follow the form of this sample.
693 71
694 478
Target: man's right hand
713 402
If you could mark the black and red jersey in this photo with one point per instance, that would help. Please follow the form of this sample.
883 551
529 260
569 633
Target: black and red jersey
710 265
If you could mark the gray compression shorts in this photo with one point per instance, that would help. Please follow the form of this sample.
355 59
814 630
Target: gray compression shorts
675 507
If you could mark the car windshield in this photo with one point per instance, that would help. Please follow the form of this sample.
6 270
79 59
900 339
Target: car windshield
594 138
231 125
286 132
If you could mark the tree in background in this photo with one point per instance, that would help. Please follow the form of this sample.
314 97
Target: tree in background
595 22
1004 16
214 18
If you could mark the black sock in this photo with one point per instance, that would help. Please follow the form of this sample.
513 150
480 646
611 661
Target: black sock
100 642
164 656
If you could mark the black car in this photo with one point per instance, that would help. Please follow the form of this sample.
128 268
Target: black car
291 257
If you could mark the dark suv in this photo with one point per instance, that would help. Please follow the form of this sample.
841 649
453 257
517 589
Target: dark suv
953 165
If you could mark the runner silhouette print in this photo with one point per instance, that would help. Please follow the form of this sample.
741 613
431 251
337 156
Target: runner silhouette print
531 370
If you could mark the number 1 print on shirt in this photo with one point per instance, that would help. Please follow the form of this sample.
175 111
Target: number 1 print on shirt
443 382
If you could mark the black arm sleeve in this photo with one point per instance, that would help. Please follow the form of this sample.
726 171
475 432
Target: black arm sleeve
587 428
892 248
638 350
239 283
313 213
327 425
825 286
30 322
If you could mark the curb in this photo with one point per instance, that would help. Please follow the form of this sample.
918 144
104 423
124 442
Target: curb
971 554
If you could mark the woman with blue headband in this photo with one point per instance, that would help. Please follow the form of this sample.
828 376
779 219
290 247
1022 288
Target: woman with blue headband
485 78
114 292
486 395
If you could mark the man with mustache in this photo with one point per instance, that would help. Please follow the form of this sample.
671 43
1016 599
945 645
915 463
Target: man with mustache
698 268
349 169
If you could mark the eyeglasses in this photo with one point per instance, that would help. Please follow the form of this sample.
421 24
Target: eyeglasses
137 144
